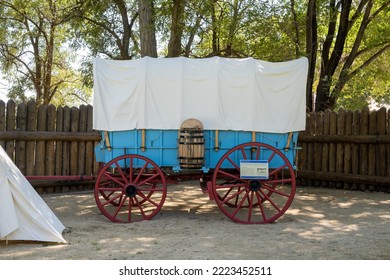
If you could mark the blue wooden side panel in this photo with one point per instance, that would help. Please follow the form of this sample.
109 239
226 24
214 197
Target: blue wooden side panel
161 146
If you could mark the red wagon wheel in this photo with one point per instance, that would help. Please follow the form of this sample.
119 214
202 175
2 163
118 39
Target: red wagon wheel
130 188
253 201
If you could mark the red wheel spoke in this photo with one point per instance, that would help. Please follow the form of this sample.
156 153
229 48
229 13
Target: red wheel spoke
129 211
119 206
141 171
243 153
277 169
147 198
229 186
250 201
272 156
287 180
240 204
110 189
275 190
112 199
258 153
270 200
229 175
140 208
148 179
233 163
131 171
114 179
232 196
121 172
260 200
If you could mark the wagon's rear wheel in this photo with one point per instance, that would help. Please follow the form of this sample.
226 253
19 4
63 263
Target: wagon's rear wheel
130 188
253 201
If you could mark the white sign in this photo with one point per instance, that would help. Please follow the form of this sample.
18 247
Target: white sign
254 169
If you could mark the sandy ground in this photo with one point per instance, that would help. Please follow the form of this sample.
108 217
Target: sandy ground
320 224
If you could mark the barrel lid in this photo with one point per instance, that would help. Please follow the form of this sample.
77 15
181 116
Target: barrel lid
192 124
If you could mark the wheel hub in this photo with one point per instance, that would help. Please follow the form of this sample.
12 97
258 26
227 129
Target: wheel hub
131 190
254 185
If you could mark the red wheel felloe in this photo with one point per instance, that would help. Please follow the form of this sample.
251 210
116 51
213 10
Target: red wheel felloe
253 201
130 188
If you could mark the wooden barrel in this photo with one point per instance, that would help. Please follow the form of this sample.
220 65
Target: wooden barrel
191 144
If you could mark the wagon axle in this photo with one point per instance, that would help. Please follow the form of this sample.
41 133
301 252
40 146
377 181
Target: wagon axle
131 190
254 185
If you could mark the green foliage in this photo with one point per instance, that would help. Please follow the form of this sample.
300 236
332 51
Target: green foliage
267 30
35 56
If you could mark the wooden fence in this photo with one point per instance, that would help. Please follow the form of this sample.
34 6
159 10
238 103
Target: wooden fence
49 140
348 150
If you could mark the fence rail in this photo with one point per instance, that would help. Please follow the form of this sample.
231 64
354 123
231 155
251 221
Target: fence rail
342 149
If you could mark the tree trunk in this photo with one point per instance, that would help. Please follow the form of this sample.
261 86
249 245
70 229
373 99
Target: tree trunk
147 28
214 27
127 26
311 49
174 45
332 56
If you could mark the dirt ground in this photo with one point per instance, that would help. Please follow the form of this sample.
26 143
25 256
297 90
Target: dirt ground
320 224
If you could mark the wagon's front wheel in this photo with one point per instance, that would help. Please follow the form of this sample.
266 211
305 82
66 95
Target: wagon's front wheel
130 188
253 201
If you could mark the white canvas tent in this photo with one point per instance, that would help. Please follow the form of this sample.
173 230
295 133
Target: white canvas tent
24 215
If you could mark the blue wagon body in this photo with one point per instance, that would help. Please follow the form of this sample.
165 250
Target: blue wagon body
161 146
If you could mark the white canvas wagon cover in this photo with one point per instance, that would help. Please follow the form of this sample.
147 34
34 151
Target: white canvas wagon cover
223 93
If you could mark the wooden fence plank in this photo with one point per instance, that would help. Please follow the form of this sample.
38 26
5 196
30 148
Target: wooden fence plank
381 148
31 144
20 146
372 118
89 146
59 145
363 155
66 146
50 145
347 147
318 146
325 146
74 127
59 129
41 145
340 146
388 145
2 121
311 146
355 147
10 126
332 146
81 144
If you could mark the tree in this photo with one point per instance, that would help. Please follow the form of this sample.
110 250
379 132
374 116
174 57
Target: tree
347 47
34 53
147 28
107 27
